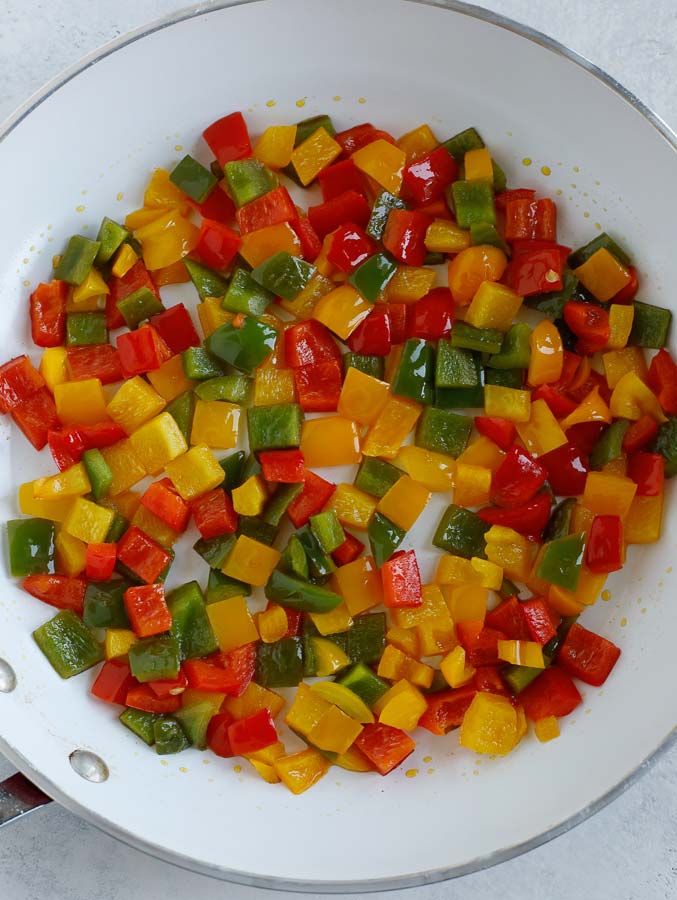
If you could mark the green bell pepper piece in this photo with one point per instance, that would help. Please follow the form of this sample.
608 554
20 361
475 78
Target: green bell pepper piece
384 203
243 347
275 427
257 529
384 538
104 605
376 476
609 445
327 530
320 562
603 240
155 658
560 520
365 640
562 560
195 715
485 340
415 373
208 283
31 547
215 550
364 682
280 664
519 677
169 736
247 180
473 202
190 623
294 560
98 471
650 326
309 126
512 378
232 470
283 275
455 367
500 178
199 364
251 467
279 502
193 179
443 431
463 397
182 410
370 365
485 233
246 295
85 329
117 528
233 388
552 304
460 143
665 444
68 644
461 532
516 350
110 238
140 723
295 594
139 306
373 275
77 260
222 587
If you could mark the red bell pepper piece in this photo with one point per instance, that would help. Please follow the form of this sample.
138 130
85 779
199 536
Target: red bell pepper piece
647 470
217 244
60 591
530 220
48 314
397 313
384 746
271 209
535 271
214 514
500 431
431 317
349 550
401 581
147 609
311 245
517 479
341 177
218 206
144 556
359 136
309 343
19 380
137 277
114 681
404 236
488 679
175 327
529 519
162 500
559 404
285 466
372 337
503 199
479 642
252 733
508 618
580 391
584 436
100 561
349 247
640 434
553 693
228 138
100 361
570 366
170 687
587 655
628 293
542 621
217 734
436 209
141 351
316 492
142 696
318 386
67 444
426 178
662 380
590 324
604 547
446 709
223 673
567 468
347 207
36 416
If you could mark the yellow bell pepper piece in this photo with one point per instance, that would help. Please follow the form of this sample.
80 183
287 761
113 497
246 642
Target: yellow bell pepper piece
250 561
92 286
80 402
329 658
177 273
126 503
273 386
482 452
353 507
603 275
409 284
405 639
396 665
435 471
435 637
417 143
632 399
592 408
72 482
353 760
490 725
258 246
215 424
454 668
383 162
432 623
88 522
306 710
618 363
402 706
167 239
195 473
581 519
392 363
118 641
301 770
562 602
162 191
94 304
274 147
621 317
54 366
362 397
144 216
547 354
71 554
30 505
324 267
125 465
359 583
618 466
542 433
644 521
546 729
404 502
443 236
302 306
477 165
459 571
471 485
608 495
135 403
232 623
522 653
466 602
158 442
272 624
335 732
250 498
493 306
507 403
334 622
254 699
345 699
212 315
318 151
154 527
265 770
511 550
342 310
588 590
169 381
125 258
330 441
387 434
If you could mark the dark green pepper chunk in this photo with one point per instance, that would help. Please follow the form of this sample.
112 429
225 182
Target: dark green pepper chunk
232 470
280 664
650 326
86 328
98 471
278 504
295 594
666 445
461 532
182 410
243 347
562 560
110 238
365 640
294 560
519 677
247 180
376 476
486 233
215 550
321 563
199 365
232 388
208 283
190 622
257 529
104 605
516 350
284 275
383 206
246 295
117 528
609 445
155 659
472 395
552 304
221 587
370 365
195 716
384 538
361 680
328 530
31 547
193 179
443 431
68 644
373 275
141 724
274 427
460 143
139 306
511 378
560 520
169 736
309 126
603 240
77 260
415 373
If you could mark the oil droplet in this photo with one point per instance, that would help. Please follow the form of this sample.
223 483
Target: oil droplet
430 771
576 169
27 284
119 196
559 192
526 161
573 185
182 769
509 133
585 193
237 768
270 103
606 595
84 193
586 215
476 771
669 569
337 98
205 762
32 248
643 610
598 226
301 102
588 711
546 170
362 100
411 773
79 208
49 227
25 261
163 762
427 759
624 622
178 148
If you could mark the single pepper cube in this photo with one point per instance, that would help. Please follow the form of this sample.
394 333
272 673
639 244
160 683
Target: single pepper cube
300 771
245 346
280 664
284 275
141 351
473 202
125 466
342 310
461 532
110 237
507 403
402 706
493 306
382 161
215 423
208 283
360 585
490 725
147 609
72 482
435 471
155 659
561 561
175 327
274 147
371 277
376 477
603 275
134 403
88 522
650 326
389 431
98 471
142 555
193 179
251 561
330 441
404 502
401 580
248 179
384 538
443 431
170 381
404 236
80 402
259 246
542 433
274 427
31 546
282 466
77 260
313 154
249 499
195 472
232 623
246 295
352 506
157 442
608 495
71 554
68 644
139 306
85 328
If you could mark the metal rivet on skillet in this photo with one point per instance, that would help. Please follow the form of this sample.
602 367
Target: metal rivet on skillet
7 677
89 766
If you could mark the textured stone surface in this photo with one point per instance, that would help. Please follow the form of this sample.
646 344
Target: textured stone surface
626 852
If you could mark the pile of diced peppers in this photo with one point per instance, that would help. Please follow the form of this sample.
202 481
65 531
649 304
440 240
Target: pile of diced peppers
329 340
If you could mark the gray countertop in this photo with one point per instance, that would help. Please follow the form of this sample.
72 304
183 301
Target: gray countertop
626 852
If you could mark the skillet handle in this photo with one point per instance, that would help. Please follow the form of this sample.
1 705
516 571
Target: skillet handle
19 796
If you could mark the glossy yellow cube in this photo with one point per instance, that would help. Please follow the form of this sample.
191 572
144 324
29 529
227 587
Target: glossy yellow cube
334 622
546 729
330 441
592 408
432 607
547 354
542 433
335 732
359 583
93 304
493 306
396 665
80 402
383 162
232 623
125 503
456 570
158 442
632 399
161 191
603 275
272 624
511 550
273 386
435 471
621 317
118 641
362 397
306 710
195 473
30 505
342 310
405 639
254 699
418 142
455 669
250 498
521 653
72 482
490 725
644 520
170 379
353 507
71 554
274 147
125 465
216 424
444 236
618 363
135 403
125 258
318 151
88 521
301 770
402 706
54 366
389 431
482 452
507 403
92 286
477 165
167 239
404 502
212 315
258 246
608 495
329 657
467 602
409 284
590 585
471 485
250 561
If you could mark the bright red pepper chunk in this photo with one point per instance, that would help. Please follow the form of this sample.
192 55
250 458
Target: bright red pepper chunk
316 492
114 681
147 609
144 556
559 404
217 206
162 499
318 386
100 361
584 436
350 246
508 618
100 561
353 139
48 314
397 313
446 709
214 514
647 470
60 591
488 679
217 244
36 416
223 673
143 697
384 746
538 271
228 138
175 327
271 209
252 733
349 550
347 207
67 444
372 337
341 177
137 277
427 177
217 734
530 220
311 245
628 293
141 351
479 642
590 324
604 549
517 479
587 655
170 687
19 380
285 466
404 236
432 317
662 380
436 209
401 581
309 343
567 468
553 693
500 431
542 621
640 434
529 519
503 199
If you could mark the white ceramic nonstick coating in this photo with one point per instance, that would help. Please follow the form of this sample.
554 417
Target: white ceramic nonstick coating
84 149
